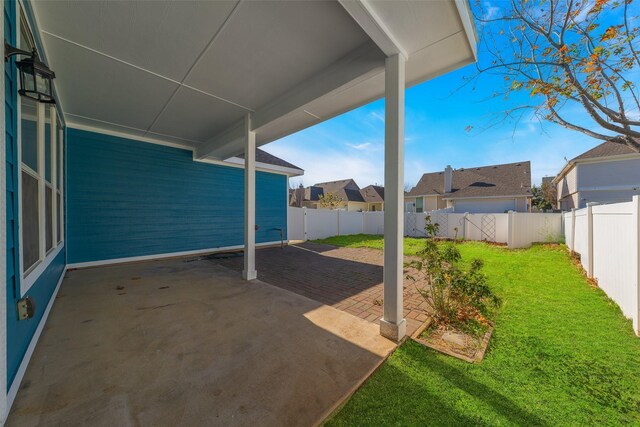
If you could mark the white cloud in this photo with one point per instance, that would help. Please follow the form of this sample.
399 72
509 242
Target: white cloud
584 12
363 146
377 115
490 11
332 165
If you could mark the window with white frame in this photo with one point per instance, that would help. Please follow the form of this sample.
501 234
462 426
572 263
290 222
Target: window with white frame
41 190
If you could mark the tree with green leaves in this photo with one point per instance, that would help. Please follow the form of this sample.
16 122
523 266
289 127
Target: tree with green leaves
329 200
539 199
569 55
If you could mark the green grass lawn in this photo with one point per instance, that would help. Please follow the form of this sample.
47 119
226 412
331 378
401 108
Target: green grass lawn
561 354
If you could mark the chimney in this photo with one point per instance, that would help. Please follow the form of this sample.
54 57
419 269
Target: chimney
448 179
299 196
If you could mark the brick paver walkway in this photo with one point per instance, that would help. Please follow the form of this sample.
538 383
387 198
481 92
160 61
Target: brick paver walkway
349 279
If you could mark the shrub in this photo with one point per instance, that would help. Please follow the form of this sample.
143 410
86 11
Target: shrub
457 295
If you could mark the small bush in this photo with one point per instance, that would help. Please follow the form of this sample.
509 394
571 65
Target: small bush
458 296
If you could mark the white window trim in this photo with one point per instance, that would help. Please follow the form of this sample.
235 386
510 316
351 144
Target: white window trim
29 277
60 189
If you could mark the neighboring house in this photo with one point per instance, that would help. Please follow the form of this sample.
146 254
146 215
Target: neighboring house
373 195
496 188
269 162
352 198
608 173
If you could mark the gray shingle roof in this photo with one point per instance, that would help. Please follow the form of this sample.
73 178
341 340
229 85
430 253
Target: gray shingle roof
512 179
373 194
606 149
346 189
264 157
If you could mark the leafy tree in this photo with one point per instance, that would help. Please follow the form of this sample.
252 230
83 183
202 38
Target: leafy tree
550 193
568 55
539 199
456 295
329 200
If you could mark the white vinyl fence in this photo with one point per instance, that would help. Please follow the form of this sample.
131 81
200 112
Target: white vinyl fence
607 237
517 230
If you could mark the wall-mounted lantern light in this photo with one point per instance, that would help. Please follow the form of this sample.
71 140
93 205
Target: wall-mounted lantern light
35 77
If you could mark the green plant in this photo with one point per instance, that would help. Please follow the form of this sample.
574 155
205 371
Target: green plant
456 295
329 200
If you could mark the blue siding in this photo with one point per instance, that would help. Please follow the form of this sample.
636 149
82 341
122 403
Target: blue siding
11 121
19 333
128 198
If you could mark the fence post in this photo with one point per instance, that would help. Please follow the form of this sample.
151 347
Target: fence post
363 220
304 223
636 257
464 228
573 231
590 240
338 220
510 242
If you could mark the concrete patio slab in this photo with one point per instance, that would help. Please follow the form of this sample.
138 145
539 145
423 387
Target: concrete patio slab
185 342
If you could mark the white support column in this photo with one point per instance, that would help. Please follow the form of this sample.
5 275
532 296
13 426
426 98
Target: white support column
393 325
249 272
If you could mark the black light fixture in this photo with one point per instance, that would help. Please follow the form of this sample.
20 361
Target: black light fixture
35 77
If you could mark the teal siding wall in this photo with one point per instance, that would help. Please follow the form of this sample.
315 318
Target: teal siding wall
19 333
128 198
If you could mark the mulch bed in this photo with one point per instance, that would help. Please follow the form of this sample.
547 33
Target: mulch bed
453 342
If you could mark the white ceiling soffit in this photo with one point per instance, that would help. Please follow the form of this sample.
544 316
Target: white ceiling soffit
188 72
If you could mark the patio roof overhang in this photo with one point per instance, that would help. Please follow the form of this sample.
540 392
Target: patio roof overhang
187 73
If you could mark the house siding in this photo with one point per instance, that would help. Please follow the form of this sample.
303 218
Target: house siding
128 198
568 185
19 333
610 173
490 205
604 181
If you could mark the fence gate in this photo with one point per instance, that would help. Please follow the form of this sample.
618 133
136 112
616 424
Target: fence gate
442 219
488 227
410 224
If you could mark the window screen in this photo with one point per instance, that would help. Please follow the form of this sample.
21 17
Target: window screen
29 129
47 147
30 223
419 201
48 215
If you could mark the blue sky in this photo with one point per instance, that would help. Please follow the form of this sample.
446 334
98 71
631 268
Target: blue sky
437 113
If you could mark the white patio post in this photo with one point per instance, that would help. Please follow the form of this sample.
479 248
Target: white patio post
393 325
249 272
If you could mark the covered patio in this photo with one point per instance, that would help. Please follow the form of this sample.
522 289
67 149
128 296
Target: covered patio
149 153
187 342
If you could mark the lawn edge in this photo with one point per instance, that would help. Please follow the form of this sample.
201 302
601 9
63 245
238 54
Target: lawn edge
335 408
